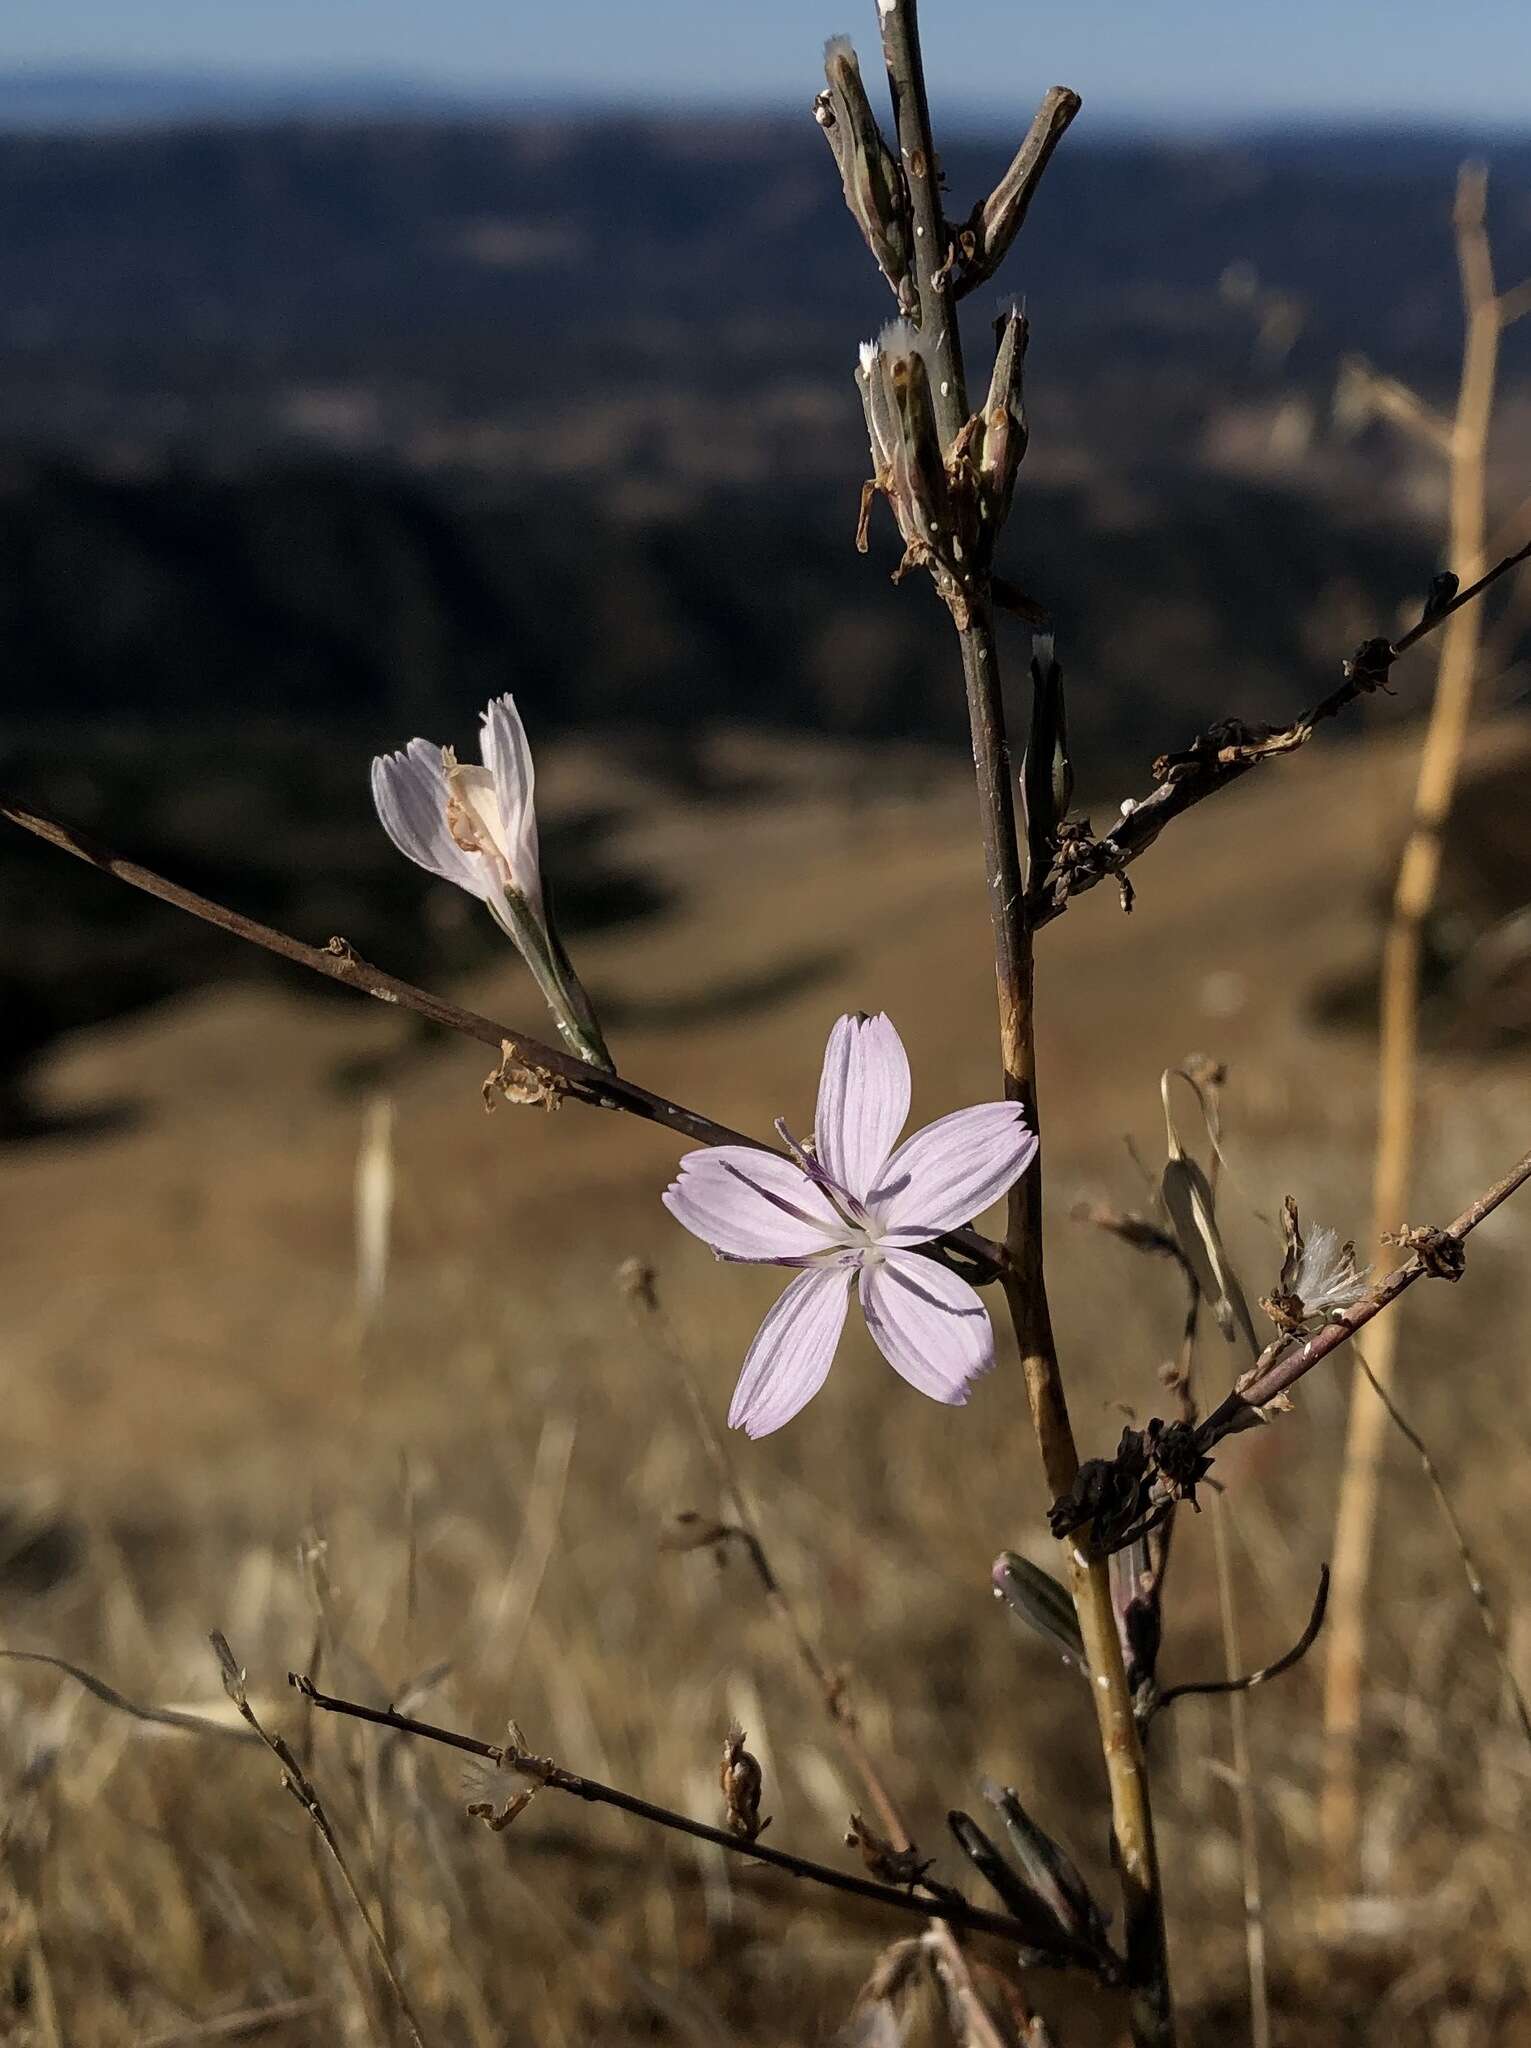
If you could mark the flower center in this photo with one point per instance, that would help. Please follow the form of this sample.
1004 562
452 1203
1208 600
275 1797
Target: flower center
858 1223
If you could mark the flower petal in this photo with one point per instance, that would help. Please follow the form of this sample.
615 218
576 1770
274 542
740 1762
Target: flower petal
752 1205
410 792
508 757
950 1172
928 1323
793 1350
863 1101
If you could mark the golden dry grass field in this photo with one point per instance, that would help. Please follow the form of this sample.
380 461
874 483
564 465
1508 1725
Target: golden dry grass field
201 1433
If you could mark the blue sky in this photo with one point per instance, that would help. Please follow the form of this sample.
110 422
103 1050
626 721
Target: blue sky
1197 62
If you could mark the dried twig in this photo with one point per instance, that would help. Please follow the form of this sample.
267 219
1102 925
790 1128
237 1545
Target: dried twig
1208 1687
1229 751
555 1778
1284 1362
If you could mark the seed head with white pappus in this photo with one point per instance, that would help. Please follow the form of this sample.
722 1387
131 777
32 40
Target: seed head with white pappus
1319 1276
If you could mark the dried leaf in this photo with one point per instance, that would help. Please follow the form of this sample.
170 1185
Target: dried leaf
1191 1205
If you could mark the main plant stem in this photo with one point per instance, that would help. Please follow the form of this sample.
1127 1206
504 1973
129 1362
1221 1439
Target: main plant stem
1025 1279
1025 1284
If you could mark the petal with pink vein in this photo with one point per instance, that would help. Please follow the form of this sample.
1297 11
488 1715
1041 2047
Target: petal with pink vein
863 1101
950 1172
928 1323
793 1350
752 1205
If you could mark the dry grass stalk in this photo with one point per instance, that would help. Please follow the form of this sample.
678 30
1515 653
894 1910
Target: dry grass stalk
1243 1788
1475 1583
296 1781
1207 1080
1487 313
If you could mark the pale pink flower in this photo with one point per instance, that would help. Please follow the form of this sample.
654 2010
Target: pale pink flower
850 1213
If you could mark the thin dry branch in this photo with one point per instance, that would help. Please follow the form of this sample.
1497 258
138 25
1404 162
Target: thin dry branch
558 1073
553 1777
1227 752
1281 1364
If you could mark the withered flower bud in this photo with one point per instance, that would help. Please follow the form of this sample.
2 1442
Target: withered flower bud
1443 1256
1001 441
491 1802
740 1779
888 1864
1139 1623
869 171
1062 1926
1176 1458
907 464
1047 772
1110 1492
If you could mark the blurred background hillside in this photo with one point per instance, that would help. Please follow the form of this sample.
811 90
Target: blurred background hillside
333 403
316 432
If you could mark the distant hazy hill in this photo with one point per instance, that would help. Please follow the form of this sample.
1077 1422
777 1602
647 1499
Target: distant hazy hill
357 416
504 263
83 98
315 433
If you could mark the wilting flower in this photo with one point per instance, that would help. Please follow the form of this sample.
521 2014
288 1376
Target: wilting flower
907 464
475 824
850 1214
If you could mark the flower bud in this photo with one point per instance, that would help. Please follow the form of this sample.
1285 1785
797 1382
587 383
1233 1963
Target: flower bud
869 171
1048 1871
740 1779
1036 1598
1047 773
